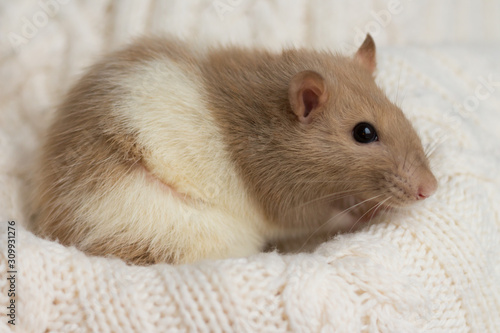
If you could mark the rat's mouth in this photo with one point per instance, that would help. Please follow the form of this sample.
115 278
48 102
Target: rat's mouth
376 210
364 210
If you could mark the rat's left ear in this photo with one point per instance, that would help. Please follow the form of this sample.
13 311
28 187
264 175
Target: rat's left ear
366 54
307 94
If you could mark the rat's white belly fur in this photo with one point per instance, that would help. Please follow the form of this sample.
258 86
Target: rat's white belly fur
212 217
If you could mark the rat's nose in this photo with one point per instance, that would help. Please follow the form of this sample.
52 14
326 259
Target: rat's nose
427 187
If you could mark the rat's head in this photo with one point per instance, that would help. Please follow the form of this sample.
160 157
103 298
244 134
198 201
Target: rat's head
355 139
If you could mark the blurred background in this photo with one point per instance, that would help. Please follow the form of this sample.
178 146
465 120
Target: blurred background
39 27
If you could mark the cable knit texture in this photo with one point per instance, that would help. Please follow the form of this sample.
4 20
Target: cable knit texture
435 268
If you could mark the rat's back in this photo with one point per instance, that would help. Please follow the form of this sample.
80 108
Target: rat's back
135 167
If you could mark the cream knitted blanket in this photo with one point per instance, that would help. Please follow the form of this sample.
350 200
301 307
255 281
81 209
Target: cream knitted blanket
433 269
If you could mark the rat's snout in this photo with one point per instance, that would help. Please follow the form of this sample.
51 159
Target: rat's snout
427 185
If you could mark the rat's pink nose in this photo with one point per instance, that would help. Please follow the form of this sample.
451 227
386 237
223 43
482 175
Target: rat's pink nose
428 185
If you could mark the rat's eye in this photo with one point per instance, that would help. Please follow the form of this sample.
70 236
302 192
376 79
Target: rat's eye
364 133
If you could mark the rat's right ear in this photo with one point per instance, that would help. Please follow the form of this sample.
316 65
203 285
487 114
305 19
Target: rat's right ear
307 94
366 54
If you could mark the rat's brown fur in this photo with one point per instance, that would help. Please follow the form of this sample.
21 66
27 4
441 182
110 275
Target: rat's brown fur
87 150
286 163
292 172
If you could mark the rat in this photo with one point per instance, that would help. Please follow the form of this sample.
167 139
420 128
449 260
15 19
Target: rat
167 152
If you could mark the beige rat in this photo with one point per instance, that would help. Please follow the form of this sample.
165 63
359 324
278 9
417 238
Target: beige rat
164 152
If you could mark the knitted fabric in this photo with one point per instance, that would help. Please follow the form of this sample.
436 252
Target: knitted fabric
433 268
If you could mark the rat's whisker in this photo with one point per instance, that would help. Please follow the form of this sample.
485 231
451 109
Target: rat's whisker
333 217
352 207
384 209
327 181
330 196
415 166
432 148
404 162
377 206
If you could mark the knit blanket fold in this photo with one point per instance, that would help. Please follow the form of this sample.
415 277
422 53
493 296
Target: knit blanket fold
432 268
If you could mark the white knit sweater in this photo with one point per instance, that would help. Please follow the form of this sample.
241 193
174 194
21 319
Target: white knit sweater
435 268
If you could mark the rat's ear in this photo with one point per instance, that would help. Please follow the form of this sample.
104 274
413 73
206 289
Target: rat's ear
366 54
307 94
